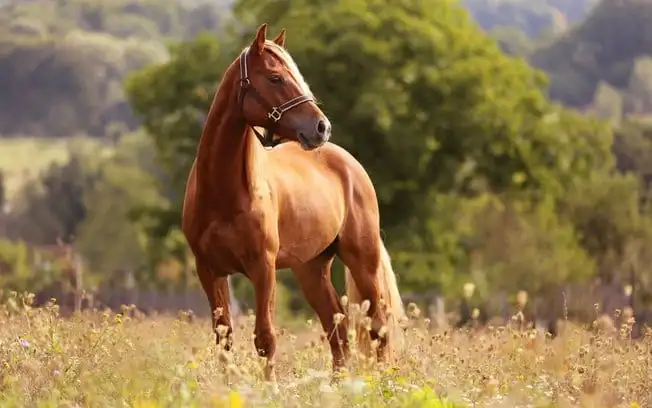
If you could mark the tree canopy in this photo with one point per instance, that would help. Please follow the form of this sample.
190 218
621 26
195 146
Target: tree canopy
449 105
419 94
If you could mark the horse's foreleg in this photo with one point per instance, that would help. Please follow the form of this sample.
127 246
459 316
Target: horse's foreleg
315 280
217 292
263 279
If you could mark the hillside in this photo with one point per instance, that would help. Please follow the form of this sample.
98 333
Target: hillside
532 17
605 60
62 63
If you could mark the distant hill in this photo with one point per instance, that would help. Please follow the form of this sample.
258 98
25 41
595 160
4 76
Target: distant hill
606 60
62 62
532 17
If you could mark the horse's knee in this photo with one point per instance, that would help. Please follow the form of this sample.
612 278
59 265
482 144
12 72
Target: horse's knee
265 342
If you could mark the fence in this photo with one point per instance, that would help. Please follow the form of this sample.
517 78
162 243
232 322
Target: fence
577 302
146 301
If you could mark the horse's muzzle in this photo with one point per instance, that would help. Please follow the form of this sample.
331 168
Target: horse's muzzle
315 134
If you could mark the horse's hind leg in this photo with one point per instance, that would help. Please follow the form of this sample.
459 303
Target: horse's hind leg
370 277
217 292
315 280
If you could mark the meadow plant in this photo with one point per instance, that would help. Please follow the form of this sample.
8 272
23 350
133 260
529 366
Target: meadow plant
106 359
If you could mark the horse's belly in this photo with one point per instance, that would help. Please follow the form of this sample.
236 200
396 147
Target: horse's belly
306 230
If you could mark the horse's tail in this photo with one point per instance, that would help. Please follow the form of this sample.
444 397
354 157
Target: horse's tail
386 281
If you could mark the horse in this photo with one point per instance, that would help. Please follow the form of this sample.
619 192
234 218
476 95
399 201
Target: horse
250 209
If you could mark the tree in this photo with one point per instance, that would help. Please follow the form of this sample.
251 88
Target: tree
416 91
428 102
52 207
109 238
172 100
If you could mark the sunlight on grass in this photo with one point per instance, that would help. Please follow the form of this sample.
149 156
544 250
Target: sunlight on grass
104 359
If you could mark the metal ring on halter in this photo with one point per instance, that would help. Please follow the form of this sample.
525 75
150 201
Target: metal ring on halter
275 114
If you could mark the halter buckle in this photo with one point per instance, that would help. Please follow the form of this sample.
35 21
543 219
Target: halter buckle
275 114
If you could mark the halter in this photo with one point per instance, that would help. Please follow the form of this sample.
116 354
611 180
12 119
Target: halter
275 113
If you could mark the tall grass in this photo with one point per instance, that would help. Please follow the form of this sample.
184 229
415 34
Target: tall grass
104 359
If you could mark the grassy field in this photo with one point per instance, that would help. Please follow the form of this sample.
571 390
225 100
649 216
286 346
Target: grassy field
22 158
102 359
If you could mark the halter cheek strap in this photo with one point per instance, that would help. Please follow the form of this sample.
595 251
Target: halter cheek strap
274 113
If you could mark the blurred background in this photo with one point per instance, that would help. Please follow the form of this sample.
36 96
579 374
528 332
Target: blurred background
510 143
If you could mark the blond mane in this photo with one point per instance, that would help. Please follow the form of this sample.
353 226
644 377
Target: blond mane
285 57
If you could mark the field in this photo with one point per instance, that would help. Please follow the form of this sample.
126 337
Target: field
103 359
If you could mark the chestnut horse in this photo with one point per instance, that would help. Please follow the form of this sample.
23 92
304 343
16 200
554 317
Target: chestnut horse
251 210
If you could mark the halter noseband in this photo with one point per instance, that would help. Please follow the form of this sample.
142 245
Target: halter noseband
275 113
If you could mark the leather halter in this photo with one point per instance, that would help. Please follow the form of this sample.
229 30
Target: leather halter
275 113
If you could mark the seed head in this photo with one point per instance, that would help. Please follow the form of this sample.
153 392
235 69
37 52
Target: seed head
344 301
338 318
364 307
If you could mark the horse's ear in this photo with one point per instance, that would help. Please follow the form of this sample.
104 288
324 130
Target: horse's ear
280 38
258 45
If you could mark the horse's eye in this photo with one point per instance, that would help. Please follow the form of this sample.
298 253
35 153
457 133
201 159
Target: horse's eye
276 79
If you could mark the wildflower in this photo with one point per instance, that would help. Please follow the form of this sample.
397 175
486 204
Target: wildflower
628 289
222 330
235 400
337 318
24 343
413 310
469 288
382 332
56 373
351 335
344 301
364 307
521 298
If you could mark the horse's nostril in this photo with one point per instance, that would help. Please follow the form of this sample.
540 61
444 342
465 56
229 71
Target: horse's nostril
321 127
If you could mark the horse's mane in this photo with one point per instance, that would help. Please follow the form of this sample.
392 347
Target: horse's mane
285 57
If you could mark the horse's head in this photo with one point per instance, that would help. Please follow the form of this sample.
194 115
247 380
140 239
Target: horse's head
274 95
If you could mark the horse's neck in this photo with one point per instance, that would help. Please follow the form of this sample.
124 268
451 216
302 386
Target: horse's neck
227 158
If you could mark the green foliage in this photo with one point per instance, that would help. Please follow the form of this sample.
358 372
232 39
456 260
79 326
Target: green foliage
633 150
442 120
499 244
23 159
90 200
23 268
173 98
121 185
53 205
480 177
